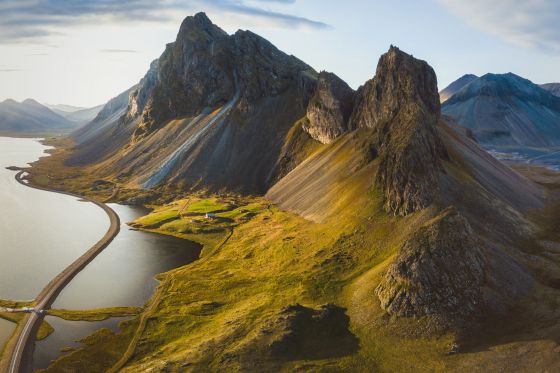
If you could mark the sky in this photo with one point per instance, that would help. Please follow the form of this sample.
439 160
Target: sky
84 52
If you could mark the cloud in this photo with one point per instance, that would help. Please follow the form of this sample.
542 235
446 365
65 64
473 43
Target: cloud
118 51
34 20
526 23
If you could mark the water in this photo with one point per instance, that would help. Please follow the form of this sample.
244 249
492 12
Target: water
50 348
41 233
123 274
6 330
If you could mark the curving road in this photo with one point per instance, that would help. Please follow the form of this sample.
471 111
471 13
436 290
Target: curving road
24 332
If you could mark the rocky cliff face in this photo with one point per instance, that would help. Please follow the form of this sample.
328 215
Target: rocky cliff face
329 109
205 68
439 271
214 110
401 105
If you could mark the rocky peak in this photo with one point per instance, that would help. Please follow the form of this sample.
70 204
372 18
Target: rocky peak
400 80
263 70
192 74
439 271
401 105
329 108
205 68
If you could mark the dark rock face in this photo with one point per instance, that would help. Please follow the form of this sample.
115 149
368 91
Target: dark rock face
439 271
401 105
297 332
192 74
400 80
329 108
205 68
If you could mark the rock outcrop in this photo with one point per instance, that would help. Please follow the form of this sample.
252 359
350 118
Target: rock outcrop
439 271
401 105
329 109
297 332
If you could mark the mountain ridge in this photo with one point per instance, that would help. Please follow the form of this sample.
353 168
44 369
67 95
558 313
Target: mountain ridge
505 109
31 117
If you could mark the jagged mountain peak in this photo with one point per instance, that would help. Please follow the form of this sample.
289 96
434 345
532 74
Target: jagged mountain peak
200 24
401 105
399 79
206 68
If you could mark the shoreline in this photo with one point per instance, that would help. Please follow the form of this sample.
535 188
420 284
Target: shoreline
18 345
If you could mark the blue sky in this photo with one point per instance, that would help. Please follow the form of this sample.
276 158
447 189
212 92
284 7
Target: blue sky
83 52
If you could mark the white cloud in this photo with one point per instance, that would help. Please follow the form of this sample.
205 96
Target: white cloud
525 23
34 20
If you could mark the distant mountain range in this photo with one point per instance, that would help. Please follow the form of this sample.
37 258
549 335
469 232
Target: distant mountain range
30 117
505 110
553 88
76 114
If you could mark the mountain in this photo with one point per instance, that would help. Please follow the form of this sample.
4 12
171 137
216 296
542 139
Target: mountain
456 86
553 88
106 116
30 117
344 227
62 109
505 109
223 105
76 114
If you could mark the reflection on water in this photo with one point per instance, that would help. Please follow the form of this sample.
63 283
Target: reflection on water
41 233
67 334
6 330
123 274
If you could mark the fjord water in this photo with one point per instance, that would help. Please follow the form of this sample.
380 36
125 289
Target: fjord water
42 232
73 331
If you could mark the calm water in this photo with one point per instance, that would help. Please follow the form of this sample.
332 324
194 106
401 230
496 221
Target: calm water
41 233
73 331
6 330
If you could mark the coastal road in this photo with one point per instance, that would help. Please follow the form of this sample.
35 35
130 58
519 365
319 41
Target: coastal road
24 332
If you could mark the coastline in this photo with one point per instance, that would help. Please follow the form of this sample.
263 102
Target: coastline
17 347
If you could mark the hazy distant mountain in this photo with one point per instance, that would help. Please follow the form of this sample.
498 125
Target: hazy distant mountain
76 114
29 117
505 109
553 88
455 87
109 114
62 109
